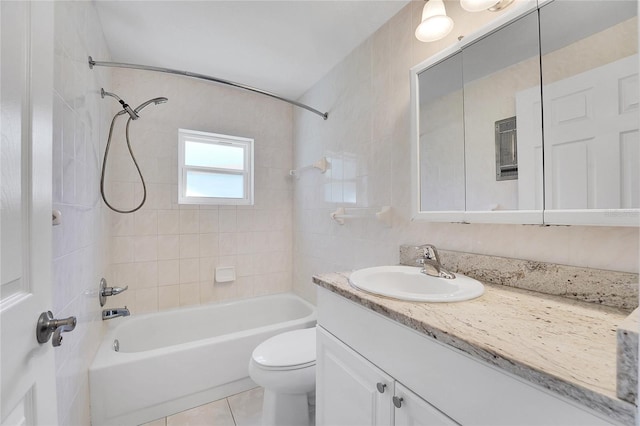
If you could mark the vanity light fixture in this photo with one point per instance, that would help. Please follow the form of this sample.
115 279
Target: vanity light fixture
480 5
435 23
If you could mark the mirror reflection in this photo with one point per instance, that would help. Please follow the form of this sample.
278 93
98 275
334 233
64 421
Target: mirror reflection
482 110
441 141
500 161
590 92
470 155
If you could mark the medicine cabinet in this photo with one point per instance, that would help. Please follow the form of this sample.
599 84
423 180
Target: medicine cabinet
533 119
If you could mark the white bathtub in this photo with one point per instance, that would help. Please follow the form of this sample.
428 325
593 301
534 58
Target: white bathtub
175 360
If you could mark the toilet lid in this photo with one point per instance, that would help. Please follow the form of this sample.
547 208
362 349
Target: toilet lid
293 349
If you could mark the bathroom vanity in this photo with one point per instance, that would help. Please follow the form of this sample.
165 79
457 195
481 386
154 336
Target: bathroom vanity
509 357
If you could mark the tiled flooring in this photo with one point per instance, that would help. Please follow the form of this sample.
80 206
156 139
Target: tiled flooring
243 409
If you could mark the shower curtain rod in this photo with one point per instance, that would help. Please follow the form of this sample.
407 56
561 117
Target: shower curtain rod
93 63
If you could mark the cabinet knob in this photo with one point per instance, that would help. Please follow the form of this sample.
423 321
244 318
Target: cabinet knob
397 401
381 387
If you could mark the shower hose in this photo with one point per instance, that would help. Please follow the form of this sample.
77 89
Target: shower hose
135 162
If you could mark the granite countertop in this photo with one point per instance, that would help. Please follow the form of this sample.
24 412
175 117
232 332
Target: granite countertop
563 345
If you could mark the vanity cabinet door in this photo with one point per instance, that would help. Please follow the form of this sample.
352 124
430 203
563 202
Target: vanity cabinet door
350 390
411 410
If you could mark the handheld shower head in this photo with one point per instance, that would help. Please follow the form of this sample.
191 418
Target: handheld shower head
129 111
134 116
155 101
126 108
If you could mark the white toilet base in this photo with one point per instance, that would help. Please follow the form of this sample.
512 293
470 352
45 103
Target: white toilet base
281 409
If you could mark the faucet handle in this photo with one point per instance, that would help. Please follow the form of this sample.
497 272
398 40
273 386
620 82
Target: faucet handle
108 291
112 291
428 251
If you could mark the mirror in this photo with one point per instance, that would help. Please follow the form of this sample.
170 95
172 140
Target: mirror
479 120
441 143
590 92
498 69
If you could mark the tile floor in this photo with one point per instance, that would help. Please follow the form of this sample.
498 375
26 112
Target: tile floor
243 409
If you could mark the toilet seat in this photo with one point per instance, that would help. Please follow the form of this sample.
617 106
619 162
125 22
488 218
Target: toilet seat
287 351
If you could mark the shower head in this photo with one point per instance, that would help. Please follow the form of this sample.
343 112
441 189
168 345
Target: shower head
126 108
154 101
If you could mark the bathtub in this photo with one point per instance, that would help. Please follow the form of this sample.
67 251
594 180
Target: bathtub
175 360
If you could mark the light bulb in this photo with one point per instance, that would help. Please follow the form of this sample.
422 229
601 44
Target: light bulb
477 5
435 22
480 5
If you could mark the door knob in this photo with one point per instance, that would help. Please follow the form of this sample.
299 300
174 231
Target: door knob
48 325
381 387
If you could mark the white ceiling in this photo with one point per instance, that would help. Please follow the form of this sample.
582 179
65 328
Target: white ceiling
280 46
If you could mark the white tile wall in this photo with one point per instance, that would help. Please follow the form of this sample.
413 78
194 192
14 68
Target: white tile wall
367 96
167 253
80 243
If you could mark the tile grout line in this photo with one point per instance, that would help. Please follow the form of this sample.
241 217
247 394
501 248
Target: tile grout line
231 411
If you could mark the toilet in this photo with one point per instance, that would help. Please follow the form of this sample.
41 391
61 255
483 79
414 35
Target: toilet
285 366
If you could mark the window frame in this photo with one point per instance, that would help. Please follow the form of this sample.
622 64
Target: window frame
247 172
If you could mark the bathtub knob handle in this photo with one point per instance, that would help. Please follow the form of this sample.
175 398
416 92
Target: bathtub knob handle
112 291
381 387
108 291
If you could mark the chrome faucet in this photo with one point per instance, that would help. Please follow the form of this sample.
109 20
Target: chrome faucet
430 262
114 313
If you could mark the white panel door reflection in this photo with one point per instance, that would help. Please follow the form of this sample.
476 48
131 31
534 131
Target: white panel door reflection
591 139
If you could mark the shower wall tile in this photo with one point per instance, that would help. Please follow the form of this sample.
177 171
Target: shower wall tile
176 248
227 219
189 270
146 275
168 272
169 222
207 268
189 294
81 244
208 245
122 225
145 248
145 222
168 247
189 245
189 221
146 300
125 273
168 297
208 221
367 143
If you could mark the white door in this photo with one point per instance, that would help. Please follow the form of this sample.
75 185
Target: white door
591 144
350 391
411 410
27 371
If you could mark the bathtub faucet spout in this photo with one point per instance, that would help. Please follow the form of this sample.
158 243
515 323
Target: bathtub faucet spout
114 313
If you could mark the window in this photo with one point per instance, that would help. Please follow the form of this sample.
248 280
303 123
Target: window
214 169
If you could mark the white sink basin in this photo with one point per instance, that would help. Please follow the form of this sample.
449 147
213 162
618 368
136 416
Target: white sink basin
408 283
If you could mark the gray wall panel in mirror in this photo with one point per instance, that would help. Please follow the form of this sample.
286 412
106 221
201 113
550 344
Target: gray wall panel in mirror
497 69
576 72
442 136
